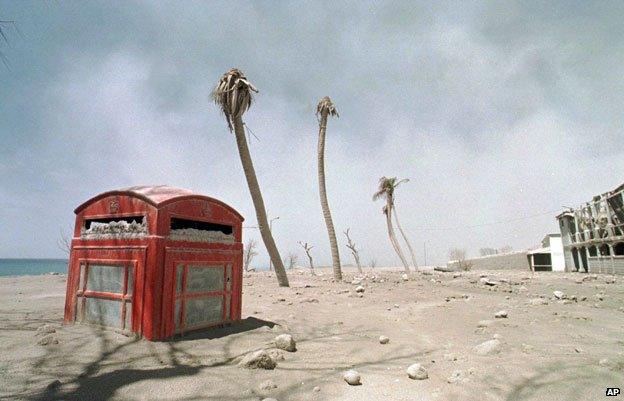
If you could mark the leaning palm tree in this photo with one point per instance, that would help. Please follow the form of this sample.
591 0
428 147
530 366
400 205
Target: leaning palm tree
396 219
386 190
233 95
324 109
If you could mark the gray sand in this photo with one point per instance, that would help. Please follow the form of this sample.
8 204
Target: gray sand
552 351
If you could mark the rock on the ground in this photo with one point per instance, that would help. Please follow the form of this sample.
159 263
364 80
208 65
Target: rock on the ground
404 277
258 360
384 340
269 399
47 340
316 389
417 372
485 323
559 294
267 385
352 377
538 301
276 354
501 314
489 347
359 289
45 329
285 342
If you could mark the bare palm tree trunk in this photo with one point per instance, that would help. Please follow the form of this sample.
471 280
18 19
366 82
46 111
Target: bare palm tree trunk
409 246
256 196
393 240
323 195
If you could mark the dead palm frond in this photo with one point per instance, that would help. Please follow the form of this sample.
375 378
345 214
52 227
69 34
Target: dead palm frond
326 106
387 186
233 95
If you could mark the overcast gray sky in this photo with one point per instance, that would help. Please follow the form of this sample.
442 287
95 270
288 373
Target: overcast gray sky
493 110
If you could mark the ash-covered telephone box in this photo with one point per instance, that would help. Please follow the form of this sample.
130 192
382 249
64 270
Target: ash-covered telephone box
155 260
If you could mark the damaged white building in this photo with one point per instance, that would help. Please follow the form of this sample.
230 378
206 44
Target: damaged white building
593 234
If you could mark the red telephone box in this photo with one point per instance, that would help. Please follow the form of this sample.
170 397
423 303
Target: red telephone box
157 261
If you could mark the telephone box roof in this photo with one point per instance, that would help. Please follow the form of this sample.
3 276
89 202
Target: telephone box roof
156 195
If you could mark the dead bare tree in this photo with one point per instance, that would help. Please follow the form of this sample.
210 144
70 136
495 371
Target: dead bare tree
307 249
354 251
459 257
64 241
291 260
249 253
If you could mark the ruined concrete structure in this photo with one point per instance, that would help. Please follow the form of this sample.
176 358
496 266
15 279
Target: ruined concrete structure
593 234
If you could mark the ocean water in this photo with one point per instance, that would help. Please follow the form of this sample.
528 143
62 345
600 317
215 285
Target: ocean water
23 267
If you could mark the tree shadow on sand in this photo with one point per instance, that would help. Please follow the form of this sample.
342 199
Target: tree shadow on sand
247 324
118 364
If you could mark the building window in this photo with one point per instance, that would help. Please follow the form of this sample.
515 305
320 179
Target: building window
618 249
203 295
104 294
604 250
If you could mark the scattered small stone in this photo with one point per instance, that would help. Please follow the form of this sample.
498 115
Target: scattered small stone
501 314
359 289
404 277
269 399
496 336
599 296
356 281
258 360
450 357
352 377
485 323
316 389
526 348
559 294
603 362
267 385
47 340
396 305
417 372
276 354
45 329
487 281
384 340
285 342
489 347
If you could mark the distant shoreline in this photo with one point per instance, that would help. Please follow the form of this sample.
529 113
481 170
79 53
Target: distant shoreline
32 266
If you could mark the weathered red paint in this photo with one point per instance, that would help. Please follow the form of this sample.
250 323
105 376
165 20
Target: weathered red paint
154 256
